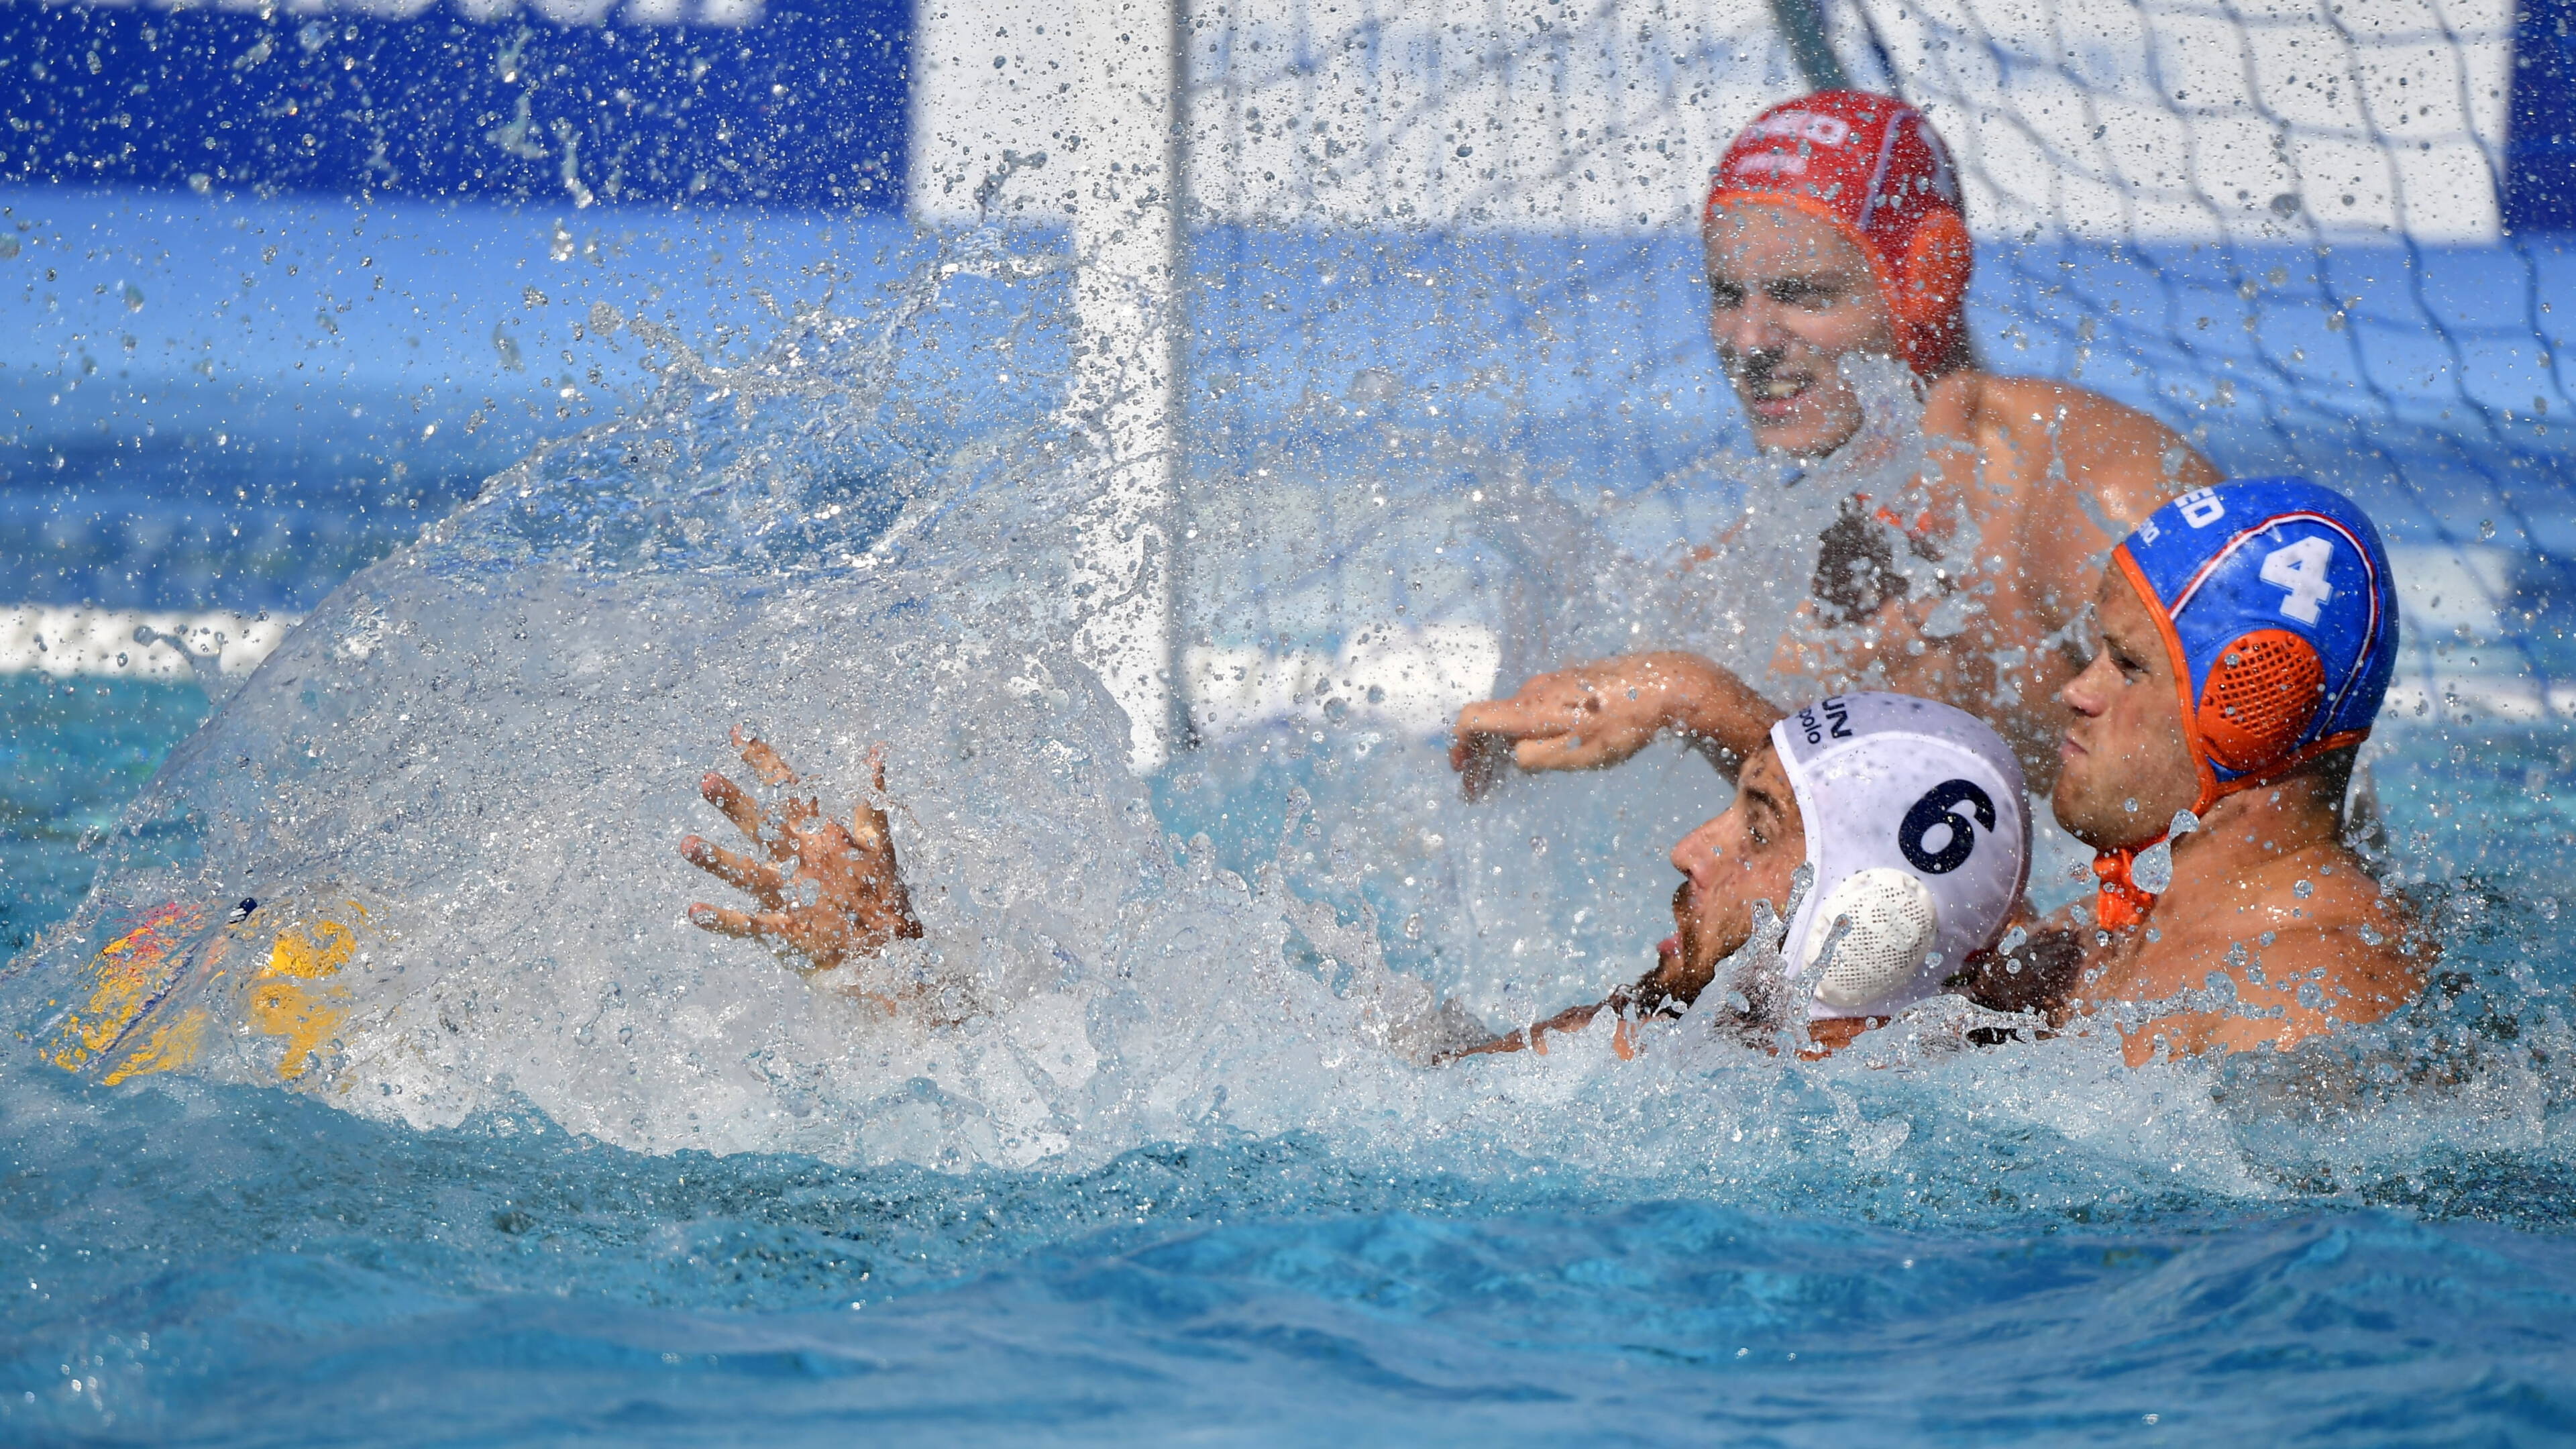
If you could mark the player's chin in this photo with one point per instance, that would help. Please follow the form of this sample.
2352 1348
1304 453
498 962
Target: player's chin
2085 819
1809 428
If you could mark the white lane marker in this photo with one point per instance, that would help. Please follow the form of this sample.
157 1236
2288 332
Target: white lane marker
66 640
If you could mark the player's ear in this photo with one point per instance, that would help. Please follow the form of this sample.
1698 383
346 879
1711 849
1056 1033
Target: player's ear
2261 697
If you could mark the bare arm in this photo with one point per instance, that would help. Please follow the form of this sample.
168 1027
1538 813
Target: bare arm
2031 485
1666 991
1595 715
2038 976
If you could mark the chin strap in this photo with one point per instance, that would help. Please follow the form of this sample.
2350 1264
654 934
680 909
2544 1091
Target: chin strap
2122 902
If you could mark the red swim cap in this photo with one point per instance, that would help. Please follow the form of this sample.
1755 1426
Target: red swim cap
1873 167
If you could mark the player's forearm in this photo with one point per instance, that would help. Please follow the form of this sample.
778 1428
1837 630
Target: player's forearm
1534 1035
1708 705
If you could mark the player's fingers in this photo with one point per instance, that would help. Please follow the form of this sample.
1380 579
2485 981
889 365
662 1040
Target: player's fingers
763 882
1482 761
868 817
1463 748
1564 752
799 816
741 809
1516 718
764 761
867 831
883 899
721 921
775 926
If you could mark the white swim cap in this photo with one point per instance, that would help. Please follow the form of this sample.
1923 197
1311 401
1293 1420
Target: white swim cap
1919 836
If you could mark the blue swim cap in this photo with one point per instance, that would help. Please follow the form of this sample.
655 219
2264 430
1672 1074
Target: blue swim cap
2280 614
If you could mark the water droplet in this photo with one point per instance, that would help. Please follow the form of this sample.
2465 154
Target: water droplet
2153 869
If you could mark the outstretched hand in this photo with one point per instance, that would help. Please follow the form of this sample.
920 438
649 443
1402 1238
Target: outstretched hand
1595 715
858 899
1585 718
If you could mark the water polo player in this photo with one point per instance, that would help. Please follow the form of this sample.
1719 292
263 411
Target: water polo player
258 990
1911 815
2247 634
1833 228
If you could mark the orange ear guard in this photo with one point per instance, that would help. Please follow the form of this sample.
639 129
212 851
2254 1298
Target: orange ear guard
2260 698
1932 280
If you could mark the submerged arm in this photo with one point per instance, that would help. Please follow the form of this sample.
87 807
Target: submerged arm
1666 991
827 892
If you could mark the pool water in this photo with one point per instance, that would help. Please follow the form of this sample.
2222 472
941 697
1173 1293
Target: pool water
237 1265
573 1173
1971 1257
75 753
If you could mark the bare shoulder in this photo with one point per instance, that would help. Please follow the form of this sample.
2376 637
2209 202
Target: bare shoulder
2301 957
2356 943
2050 435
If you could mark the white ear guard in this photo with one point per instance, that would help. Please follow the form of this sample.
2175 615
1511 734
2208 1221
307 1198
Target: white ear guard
1871 933
1917 830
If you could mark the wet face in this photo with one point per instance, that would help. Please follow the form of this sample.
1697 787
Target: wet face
1789 295
2125 763
1747 854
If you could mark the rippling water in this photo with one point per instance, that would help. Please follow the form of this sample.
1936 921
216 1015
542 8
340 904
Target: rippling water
1145 1154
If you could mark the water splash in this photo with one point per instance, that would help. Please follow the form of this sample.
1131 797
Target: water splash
492 738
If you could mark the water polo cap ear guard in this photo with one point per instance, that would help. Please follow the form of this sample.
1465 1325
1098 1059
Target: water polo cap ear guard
1918 833
2279 614
1873 168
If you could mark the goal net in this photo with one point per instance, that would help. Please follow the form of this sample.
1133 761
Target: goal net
1447 369
1466 234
